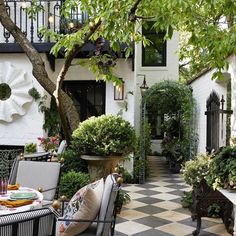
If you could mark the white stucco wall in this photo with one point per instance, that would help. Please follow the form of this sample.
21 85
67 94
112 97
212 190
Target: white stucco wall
232 71
202 88
155 75
122 69
26 128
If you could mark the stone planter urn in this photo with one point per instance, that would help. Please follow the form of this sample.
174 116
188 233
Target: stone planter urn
100 166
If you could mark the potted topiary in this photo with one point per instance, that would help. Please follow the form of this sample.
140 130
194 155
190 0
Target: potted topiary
102 141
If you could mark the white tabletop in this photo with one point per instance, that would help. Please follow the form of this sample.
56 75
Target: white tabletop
36 203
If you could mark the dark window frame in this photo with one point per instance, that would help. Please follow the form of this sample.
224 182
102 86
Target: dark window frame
150 32
84 105
154 135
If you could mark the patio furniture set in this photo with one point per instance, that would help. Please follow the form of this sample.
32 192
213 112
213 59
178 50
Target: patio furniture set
91 211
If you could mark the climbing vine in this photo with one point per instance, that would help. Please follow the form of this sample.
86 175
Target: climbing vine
173 101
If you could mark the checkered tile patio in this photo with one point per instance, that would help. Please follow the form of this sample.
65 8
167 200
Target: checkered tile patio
155 209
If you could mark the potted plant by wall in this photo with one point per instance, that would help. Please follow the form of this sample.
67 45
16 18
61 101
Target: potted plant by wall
102 141
222 172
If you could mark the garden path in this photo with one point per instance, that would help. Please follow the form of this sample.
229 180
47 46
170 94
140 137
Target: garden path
155 209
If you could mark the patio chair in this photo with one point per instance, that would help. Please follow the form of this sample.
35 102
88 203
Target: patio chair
62 147
39 156
8 158
44 175
104 224
37 222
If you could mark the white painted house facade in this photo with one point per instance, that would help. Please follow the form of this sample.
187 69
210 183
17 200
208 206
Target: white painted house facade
25 126
211 122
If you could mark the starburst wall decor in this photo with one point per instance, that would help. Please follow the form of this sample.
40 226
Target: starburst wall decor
14 87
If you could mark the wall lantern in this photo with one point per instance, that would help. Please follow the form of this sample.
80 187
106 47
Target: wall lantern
119 91
143 87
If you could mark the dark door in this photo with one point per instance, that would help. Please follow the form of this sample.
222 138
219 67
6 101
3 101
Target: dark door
88 96
213 126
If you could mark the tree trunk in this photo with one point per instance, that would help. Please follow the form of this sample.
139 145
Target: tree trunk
71 115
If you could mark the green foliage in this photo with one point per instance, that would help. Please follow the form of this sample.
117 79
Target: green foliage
170 98
214 210
147 138
138 162
173 101
104 135
30 147
127 177
73 162
187 200
176 150
222 172
33 9
196 170
124 197
52 123
71 182
208 27
33 92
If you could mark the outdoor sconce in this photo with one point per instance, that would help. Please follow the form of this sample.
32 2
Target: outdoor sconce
143 87
50 18
23 5
119 91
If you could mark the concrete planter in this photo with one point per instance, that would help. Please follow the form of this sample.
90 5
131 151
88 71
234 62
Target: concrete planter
100 166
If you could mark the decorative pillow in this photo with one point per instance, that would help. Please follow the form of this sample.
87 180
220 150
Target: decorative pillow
84 205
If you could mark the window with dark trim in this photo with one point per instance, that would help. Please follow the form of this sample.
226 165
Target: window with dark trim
88 96
156 122
155 53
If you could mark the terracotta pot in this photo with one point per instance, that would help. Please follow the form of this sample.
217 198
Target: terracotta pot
100 166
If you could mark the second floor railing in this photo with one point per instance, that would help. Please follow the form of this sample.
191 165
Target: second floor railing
48 15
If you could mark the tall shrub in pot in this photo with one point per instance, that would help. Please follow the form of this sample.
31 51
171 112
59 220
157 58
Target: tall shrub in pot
100 140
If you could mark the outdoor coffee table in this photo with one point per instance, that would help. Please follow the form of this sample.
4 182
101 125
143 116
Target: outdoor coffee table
37 203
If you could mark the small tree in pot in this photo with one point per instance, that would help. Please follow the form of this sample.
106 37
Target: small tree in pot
100 140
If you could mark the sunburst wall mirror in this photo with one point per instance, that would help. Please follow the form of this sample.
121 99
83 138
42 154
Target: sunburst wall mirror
14 87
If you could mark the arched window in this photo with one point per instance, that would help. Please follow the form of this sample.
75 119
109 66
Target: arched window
213 118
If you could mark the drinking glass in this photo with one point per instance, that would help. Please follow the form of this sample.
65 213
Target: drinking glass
3 186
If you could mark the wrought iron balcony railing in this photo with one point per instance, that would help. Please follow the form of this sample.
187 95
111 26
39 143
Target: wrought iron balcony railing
48 16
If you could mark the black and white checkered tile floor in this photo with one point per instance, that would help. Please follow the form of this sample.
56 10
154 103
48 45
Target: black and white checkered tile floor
155 209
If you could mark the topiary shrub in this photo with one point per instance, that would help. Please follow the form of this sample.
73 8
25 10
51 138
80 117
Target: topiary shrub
71 182
105 135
